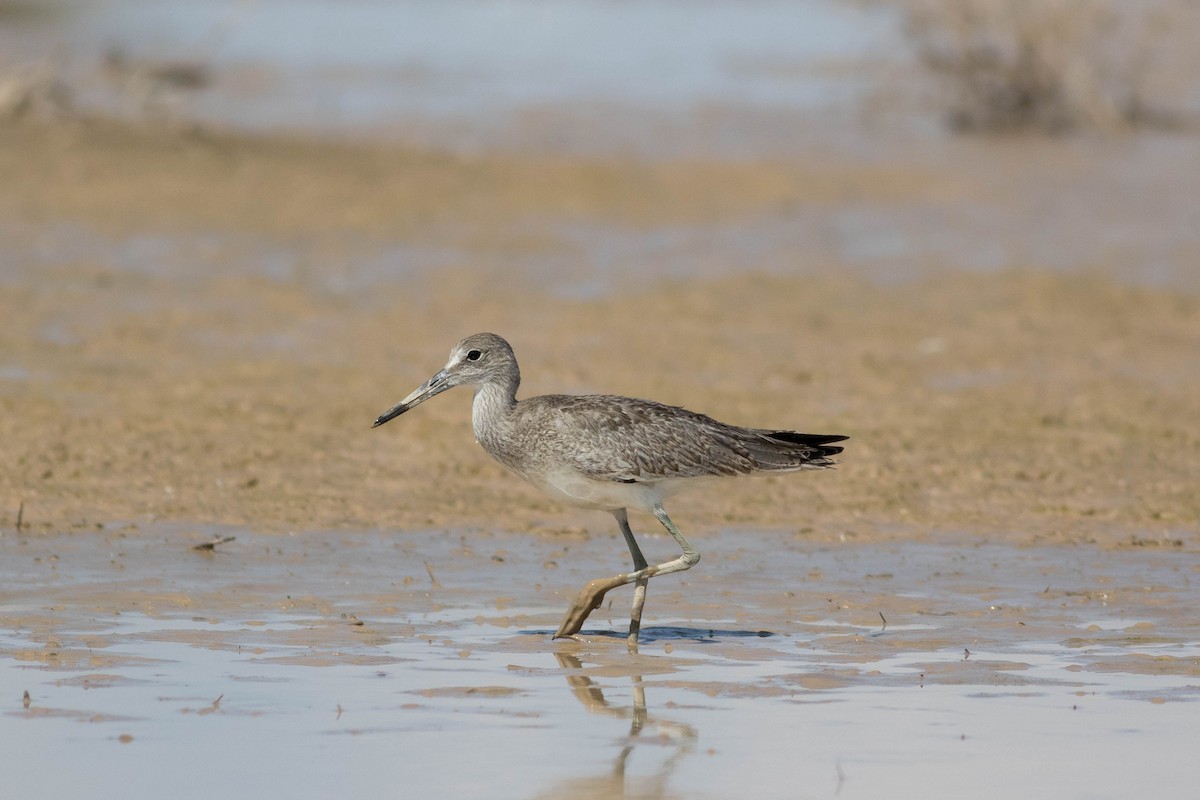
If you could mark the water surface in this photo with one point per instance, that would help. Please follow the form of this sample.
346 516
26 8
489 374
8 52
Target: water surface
421 663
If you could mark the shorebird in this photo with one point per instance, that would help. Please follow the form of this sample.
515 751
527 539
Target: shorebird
609 453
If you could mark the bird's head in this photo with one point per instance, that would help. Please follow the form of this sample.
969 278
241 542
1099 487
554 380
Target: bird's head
476 360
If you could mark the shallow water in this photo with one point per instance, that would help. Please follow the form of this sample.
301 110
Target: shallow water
478 64
153 669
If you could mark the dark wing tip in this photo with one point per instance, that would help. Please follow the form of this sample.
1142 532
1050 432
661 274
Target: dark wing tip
810 439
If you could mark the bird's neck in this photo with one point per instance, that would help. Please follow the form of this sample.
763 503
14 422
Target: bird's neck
489 411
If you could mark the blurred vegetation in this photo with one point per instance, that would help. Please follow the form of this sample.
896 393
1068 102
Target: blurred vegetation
1056 65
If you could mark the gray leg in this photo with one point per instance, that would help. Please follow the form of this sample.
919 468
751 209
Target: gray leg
593 594
690 557
639 589
639 560
635 616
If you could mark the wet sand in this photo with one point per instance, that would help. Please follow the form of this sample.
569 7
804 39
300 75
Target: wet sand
200 328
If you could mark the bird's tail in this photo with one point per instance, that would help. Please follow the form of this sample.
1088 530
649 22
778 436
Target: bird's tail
788 450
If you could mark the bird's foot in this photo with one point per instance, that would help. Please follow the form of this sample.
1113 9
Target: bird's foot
589 599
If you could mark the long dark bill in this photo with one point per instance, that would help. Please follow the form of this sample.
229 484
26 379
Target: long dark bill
434 386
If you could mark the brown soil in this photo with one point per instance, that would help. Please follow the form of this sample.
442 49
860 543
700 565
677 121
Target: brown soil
1023 403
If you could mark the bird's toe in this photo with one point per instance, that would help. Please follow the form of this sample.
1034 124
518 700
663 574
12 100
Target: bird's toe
588 600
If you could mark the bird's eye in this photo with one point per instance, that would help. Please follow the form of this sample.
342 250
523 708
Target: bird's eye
473 355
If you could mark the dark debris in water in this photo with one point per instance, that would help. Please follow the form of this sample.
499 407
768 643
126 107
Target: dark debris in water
211 546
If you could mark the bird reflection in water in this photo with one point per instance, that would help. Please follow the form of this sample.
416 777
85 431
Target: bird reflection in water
676 738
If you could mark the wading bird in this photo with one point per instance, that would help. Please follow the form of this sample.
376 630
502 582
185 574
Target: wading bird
609 453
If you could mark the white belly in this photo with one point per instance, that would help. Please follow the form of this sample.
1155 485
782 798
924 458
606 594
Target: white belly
574 489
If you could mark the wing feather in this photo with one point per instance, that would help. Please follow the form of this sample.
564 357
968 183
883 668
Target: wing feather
629 440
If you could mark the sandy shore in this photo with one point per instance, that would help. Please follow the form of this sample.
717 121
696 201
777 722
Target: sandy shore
199 328
1018 403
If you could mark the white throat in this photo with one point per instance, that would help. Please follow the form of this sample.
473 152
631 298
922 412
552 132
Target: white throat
487 411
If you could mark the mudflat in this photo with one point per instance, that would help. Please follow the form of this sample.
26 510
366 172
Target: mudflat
201 326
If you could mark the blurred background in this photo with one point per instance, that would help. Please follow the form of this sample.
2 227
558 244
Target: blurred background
965 233
233 231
